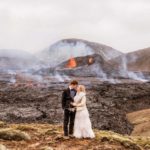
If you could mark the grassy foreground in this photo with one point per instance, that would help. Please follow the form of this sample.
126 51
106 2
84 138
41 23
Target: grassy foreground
50 137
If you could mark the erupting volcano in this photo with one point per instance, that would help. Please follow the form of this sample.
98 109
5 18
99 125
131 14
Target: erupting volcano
71 63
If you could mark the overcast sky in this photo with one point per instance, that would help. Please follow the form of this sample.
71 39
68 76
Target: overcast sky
35 24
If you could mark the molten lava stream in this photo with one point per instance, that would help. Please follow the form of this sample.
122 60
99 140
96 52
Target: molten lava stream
72 63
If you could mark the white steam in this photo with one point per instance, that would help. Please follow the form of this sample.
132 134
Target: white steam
97 69
58 53
130 74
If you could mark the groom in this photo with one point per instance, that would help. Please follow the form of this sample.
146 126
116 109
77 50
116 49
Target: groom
69 110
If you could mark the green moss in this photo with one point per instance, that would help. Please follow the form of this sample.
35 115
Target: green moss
2 124
143 141
46 148
45 135
26 127
126 141
52 131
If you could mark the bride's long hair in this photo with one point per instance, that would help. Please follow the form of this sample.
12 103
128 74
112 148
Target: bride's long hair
82 88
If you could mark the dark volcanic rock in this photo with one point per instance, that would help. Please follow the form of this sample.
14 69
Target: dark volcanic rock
24 114
107 103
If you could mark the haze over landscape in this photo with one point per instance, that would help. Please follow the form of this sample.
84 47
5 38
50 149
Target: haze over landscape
34 25
102 44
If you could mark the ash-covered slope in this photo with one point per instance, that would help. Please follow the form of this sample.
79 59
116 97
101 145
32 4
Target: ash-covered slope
135 65
135 61
141 60
64 49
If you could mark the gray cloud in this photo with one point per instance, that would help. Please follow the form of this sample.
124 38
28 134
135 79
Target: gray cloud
35 24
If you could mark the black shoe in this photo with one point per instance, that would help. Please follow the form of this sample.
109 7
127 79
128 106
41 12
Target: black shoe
71 136
66 134
66 137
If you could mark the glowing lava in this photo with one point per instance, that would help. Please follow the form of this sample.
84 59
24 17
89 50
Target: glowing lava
72 63
90 61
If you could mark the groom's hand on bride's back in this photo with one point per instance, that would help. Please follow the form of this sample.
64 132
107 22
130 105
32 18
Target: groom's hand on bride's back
73 104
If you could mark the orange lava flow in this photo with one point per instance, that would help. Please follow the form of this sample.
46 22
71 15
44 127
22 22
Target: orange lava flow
72 63
90 60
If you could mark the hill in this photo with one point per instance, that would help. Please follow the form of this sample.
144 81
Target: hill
134 61
141 121
141 60
65 49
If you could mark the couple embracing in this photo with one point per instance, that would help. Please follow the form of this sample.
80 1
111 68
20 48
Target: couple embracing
76 116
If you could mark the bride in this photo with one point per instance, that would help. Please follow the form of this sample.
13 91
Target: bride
82 125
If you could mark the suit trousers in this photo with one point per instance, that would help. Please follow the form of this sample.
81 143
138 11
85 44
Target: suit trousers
69 118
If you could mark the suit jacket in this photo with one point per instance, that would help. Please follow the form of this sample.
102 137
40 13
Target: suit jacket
67 99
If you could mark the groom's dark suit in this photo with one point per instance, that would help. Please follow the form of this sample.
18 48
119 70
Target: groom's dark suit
69 110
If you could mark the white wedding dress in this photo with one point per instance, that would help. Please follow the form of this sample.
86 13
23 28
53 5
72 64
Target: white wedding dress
82 124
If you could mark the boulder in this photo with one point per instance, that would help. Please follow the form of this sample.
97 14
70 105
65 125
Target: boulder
12 134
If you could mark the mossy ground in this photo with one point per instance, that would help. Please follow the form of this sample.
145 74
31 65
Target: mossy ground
48 137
